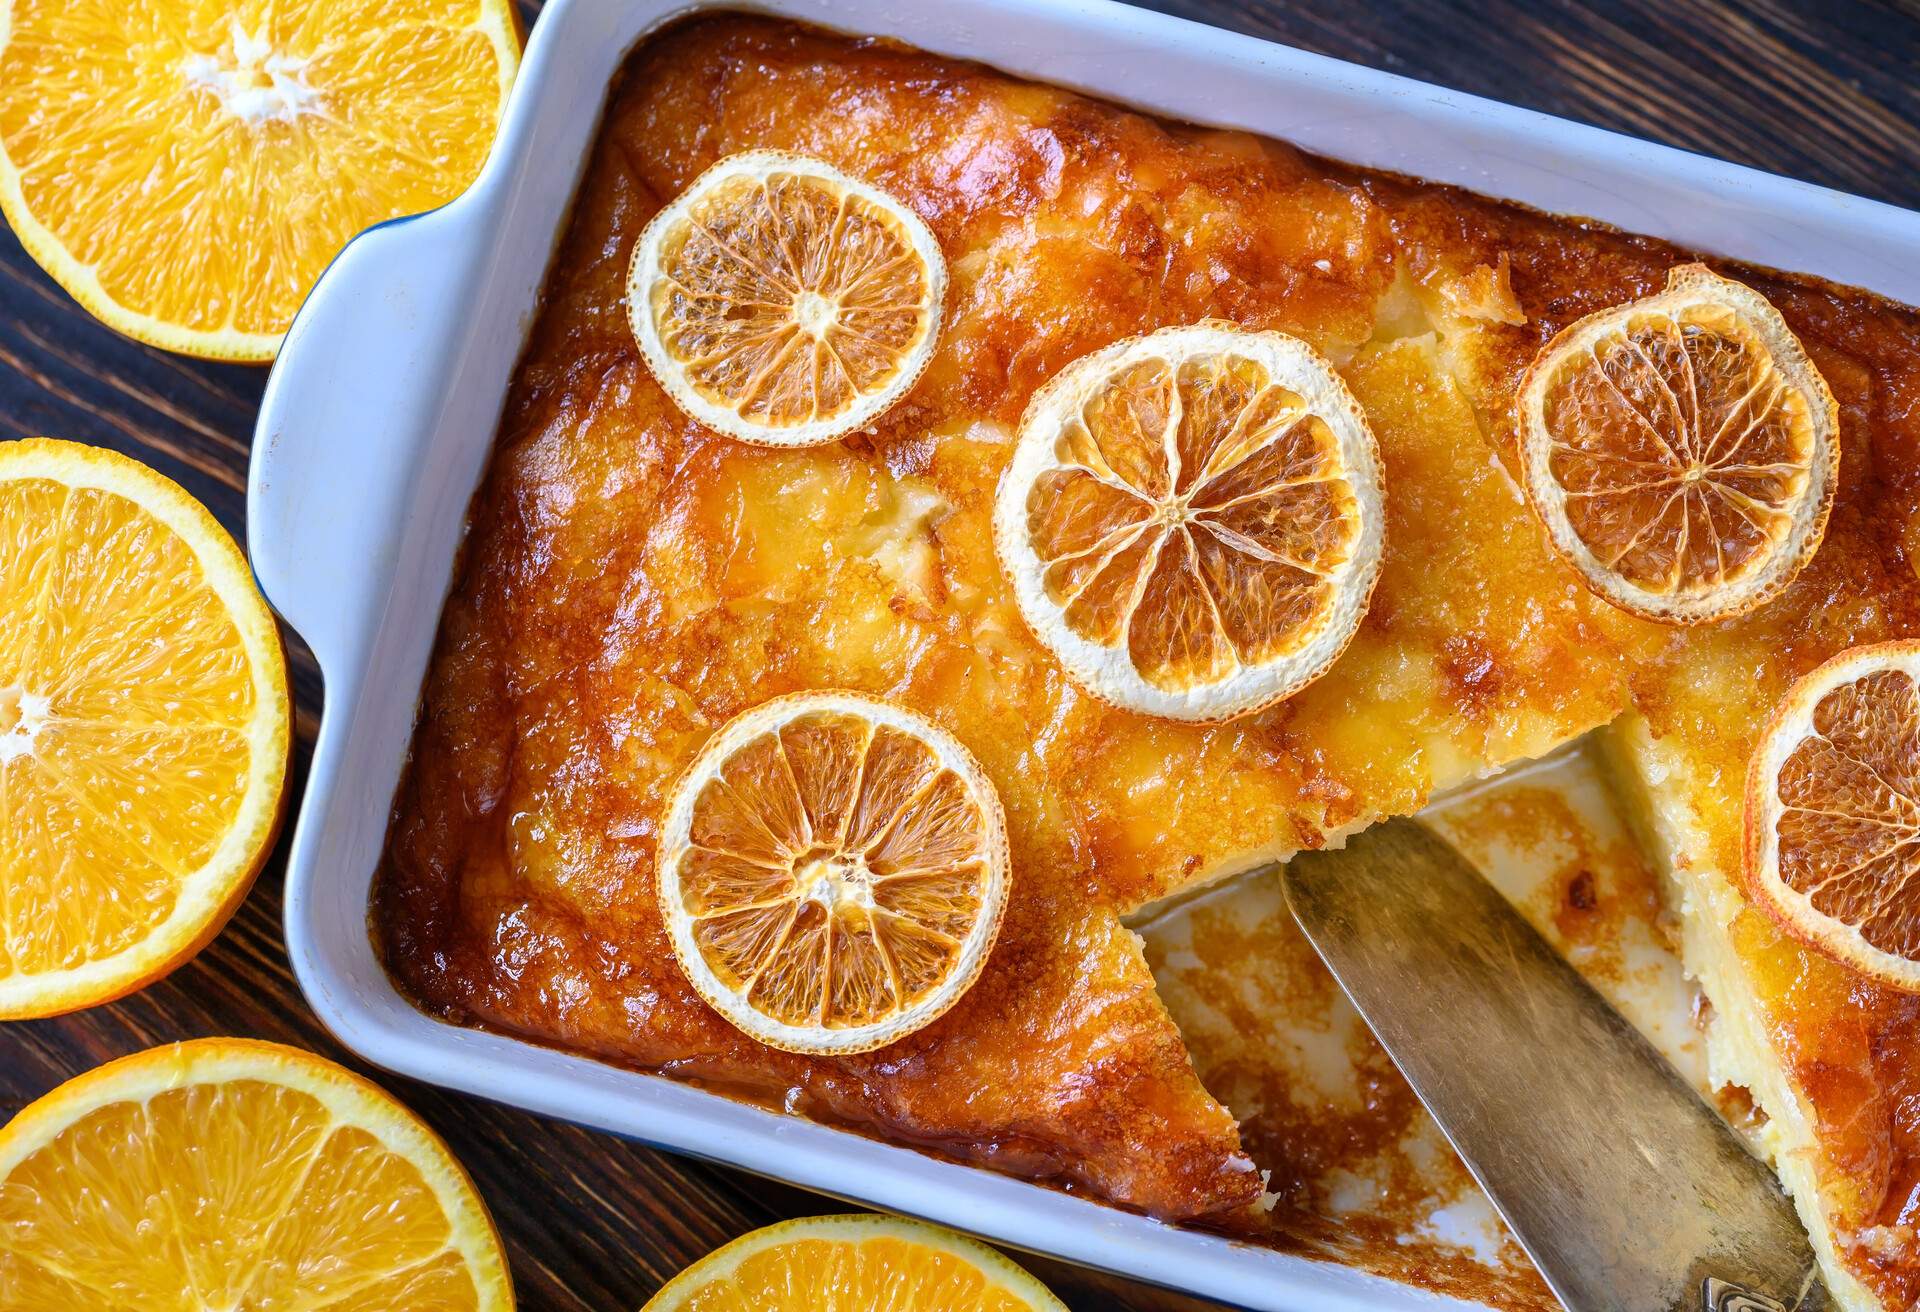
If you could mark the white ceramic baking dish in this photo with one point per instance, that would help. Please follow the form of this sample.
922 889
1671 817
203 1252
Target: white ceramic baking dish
380 414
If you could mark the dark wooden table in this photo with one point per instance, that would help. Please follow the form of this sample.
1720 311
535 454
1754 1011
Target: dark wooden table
1824 92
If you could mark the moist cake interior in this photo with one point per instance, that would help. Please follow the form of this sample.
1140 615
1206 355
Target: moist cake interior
630 581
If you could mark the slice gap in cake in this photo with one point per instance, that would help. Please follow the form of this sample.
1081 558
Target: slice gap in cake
1598 847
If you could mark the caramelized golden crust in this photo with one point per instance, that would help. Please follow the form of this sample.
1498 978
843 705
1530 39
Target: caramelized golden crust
631 581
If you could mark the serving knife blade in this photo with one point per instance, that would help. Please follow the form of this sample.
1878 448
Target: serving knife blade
1628 1192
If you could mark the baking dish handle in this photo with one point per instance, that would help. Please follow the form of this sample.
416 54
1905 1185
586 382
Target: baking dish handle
340 432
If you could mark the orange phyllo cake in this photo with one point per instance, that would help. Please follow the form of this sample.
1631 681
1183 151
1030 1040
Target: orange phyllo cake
938 519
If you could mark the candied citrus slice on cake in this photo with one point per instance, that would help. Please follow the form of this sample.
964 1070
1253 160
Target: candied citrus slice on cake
187 168
229 1173
1681 450
832 872
782 302
143 726
873 1263
1192 520
1833 811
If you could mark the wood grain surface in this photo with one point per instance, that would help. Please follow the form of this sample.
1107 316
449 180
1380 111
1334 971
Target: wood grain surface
1821 91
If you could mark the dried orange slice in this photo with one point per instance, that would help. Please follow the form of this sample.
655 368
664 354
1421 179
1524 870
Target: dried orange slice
143 727
1681 450
782 302
1192 520
873 1263
228 1173
187 168
832 872
1833 811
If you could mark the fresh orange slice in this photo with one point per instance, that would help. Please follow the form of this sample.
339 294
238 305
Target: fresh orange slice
873 1263
143 727
832 871
187 168
1833 812
228 1173
782 302
1192 520
1681 450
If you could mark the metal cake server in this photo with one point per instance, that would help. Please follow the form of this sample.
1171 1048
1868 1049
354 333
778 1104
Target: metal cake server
1626 1190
